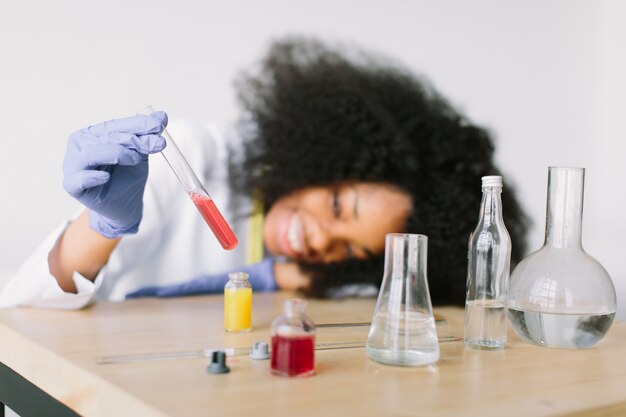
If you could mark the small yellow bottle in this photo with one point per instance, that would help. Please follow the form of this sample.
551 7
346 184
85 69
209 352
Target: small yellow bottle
238 303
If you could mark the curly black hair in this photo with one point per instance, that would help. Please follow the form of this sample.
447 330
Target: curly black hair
319 115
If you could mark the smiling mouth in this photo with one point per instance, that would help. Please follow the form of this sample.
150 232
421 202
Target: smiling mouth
293 241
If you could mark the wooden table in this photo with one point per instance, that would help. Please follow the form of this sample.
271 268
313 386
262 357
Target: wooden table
49 363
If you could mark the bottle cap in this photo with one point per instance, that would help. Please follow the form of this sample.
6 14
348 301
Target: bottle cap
492 181
260 350
218 363
238 276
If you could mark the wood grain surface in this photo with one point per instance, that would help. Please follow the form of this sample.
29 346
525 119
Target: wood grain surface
57 351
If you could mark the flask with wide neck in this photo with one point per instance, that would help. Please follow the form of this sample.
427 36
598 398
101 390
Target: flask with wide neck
488 267
403 327
560 296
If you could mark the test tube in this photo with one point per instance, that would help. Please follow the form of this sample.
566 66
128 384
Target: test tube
195 190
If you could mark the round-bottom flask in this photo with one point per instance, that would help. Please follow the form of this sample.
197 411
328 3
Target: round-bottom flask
559 296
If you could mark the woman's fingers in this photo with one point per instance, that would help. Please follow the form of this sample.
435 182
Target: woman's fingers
95 155
80 181
145 144
140 125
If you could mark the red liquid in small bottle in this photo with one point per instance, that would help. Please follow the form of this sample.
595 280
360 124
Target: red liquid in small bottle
215 220
293 356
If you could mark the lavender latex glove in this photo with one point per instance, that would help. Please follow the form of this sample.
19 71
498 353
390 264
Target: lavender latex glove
106 169
261 276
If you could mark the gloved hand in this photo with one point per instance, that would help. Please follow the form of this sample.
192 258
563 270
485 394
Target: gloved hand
106 168
261 276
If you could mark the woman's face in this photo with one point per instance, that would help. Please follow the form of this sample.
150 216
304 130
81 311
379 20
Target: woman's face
332 223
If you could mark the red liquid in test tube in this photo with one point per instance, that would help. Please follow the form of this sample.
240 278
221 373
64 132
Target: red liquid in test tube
215 220
293 356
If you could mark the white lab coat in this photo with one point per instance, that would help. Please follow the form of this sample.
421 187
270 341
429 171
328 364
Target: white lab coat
173 244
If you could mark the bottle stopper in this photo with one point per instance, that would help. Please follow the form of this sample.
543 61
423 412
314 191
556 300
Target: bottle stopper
260 350
491 181
218 363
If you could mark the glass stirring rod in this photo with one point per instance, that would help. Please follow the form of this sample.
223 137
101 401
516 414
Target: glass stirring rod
206 353
195 190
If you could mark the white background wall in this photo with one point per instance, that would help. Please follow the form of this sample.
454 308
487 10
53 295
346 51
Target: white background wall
546 77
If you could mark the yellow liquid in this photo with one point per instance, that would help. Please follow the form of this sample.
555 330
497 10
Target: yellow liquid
238 310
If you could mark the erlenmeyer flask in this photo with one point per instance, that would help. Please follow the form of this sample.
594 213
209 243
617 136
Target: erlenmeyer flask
559 296
403 328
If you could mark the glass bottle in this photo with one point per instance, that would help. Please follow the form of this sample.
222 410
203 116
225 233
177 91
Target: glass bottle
560 297
489 262
403 327
293 341
237 303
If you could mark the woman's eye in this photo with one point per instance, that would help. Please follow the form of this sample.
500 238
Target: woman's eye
336 204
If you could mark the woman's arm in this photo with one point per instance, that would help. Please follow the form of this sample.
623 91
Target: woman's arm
79 249
105 168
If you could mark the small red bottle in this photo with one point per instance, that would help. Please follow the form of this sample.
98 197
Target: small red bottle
293 341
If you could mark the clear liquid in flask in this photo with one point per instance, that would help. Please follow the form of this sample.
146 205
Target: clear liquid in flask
567 331
415 338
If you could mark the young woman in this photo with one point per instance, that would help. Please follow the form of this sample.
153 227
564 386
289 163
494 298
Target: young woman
337 149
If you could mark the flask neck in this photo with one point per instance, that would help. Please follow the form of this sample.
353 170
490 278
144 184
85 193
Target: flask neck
405 255
294 307
491 206
564 211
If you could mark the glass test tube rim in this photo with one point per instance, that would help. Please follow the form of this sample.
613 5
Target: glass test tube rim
172 145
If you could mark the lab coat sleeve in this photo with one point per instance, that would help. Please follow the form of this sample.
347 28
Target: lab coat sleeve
34 286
